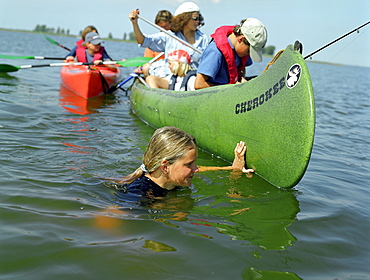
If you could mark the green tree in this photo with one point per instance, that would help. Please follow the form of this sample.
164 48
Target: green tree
110 36
131 36
269 50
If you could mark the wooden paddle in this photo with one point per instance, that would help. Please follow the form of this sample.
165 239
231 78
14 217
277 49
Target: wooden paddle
132 62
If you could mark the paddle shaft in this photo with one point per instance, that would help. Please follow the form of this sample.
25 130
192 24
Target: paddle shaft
130 77
135 61
170 34
30 57
11 68
336 40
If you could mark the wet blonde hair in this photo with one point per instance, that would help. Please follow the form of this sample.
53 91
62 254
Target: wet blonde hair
180 68
167 143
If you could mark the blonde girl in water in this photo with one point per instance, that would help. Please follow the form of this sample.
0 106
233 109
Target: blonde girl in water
170 161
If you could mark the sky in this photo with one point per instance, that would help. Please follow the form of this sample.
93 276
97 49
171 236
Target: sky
314 23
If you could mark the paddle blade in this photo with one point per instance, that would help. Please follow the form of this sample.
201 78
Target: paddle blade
134 62
15 57
55 43
8 68
50 40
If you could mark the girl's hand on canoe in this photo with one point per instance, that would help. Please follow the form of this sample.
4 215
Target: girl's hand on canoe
239 159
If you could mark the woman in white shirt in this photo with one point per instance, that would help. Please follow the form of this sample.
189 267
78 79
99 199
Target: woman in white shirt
185 24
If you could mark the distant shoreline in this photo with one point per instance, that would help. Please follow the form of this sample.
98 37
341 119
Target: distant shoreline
61 35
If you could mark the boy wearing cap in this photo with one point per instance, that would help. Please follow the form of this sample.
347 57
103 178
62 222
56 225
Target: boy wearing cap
93 52
232 49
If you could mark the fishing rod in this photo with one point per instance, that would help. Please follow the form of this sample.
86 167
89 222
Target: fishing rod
336 40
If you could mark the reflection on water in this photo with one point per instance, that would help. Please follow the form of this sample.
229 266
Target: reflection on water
158 246
247 209
77 104
252 273
8 80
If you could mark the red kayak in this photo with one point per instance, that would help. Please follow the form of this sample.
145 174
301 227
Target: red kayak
89 80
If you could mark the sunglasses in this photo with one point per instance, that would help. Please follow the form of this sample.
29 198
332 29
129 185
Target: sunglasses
196 18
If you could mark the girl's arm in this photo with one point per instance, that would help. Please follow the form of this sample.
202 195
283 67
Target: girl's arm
238 163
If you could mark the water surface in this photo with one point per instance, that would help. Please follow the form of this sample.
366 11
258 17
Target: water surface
59 220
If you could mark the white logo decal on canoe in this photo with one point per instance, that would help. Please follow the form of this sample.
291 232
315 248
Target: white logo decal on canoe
292 78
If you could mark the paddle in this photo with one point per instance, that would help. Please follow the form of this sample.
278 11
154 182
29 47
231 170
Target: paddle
170 34
135 61
55 43
120 84
29 57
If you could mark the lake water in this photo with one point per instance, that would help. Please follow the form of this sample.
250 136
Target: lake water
58 220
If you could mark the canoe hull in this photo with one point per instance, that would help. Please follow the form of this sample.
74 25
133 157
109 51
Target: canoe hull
273 113
88 82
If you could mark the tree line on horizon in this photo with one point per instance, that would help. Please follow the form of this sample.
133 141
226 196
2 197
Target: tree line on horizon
269 50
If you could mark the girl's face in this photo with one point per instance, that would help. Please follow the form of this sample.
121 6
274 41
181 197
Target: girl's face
181 172
172 64
92 49
194 21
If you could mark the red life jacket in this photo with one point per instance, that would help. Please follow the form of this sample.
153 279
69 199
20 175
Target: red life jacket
81 54
221 39
79 43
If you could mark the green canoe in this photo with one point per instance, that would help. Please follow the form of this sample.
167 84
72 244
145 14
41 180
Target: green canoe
273 113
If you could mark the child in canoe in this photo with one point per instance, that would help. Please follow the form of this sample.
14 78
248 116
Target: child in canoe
91 50
88 29
170 161
232 49
182 77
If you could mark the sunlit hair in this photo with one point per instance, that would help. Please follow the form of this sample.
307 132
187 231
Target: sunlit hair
163 15
88 29
167 143
179 68
179 21
238 32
